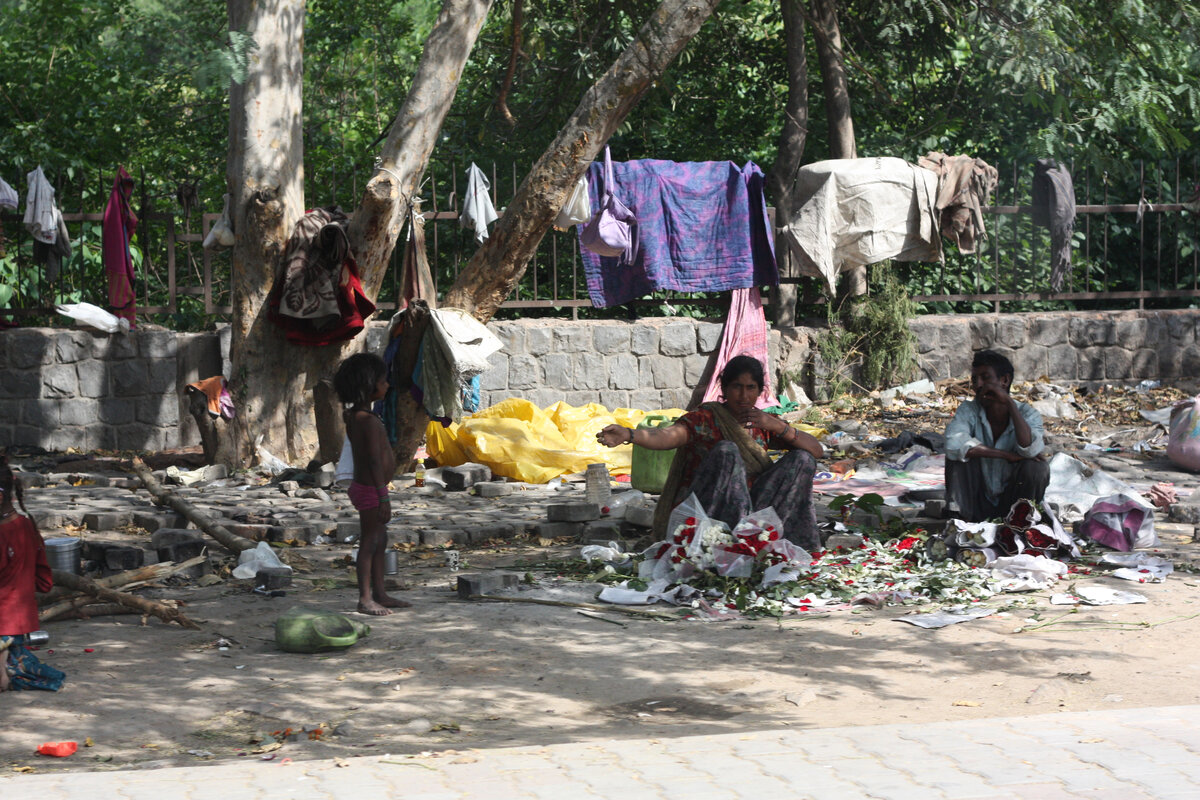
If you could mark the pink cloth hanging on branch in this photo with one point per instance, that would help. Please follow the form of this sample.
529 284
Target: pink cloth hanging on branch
745 333
119 225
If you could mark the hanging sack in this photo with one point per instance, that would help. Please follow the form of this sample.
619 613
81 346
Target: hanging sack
611 230
1183 444
578 208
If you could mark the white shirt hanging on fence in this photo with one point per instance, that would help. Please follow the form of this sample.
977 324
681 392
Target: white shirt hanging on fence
477 210
41 217
8 195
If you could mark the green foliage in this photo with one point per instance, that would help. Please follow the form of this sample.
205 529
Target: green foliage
872 333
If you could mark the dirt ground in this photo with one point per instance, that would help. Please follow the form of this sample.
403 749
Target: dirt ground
451 674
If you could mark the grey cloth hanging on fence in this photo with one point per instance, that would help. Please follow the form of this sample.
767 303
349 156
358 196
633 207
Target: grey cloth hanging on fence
8 196
1054 208
52 256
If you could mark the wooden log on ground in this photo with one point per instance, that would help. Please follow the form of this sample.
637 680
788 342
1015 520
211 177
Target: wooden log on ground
164 497
139 604
125 580
98 610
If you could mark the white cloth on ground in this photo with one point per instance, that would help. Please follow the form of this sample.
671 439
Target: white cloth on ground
477 210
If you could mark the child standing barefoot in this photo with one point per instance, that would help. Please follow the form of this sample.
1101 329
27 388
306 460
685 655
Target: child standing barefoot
360 381
23 570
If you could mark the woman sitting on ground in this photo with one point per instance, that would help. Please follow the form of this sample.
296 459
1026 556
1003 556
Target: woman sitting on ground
722 458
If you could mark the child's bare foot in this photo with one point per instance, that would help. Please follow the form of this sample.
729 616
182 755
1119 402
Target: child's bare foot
372 608
387 601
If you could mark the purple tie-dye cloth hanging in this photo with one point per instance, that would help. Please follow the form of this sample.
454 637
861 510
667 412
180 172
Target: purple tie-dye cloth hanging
701 227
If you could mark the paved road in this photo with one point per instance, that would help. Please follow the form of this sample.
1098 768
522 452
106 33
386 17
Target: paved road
1109 755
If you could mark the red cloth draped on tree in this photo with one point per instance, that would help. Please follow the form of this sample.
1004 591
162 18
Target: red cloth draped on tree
119 225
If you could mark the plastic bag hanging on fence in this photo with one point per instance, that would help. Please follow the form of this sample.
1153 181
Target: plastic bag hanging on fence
221 233
578 208
478 211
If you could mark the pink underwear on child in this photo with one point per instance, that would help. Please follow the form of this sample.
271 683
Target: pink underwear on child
365 497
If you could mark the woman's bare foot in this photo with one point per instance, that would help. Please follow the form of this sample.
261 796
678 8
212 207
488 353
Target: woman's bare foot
372 608
387 601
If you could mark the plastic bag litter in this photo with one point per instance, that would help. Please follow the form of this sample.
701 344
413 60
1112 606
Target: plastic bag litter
1139 567
1096 596
261 557
918 387
519 440
1023 573
94 317
948 616
268 463
609 555
578 208
1183 446
1075 487
1121 521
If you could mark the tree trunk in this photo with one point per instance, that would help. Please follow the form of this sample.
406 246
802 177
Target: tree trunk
375 225
828 36
274 382
265 174
497 266
792 138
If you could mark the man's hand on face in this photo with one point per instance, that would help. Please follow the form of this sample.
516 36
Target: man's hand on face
994 391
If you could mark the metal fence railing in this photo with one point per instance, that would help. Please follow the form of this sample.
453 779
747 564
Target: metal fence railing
1125 254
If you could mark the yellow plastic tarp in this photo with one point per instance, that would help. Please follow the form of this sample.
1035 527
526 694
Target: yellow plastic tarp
518 440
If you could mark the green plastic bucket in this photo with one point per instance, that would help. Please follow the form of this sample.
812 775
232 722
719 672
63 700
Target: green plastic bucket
648 472
310 630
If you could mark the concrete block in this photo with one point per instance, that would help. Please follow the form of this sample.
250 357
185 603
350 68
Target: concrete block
347 531
161 377
1144 364
42 414
556 370
116 410
693 369
486 583
255 533
129 378
106 520
460 478
21 384
614 398
572 339
139 436
590 372
610 339
59 380
846 541
983 333
539 341
674 398
1118 364
1062 363
677 339
555 530
708 336
172 544
623 371
152 521
643 340
404 536
495 378
162 410
289 533
1090 364
523 372
1011 332
27 349
955 337
157 344
1049 331
668 373
645 399
499 530
572 512
512 334
641 513
493 489
440 537
272 578
79 411
605 529
113 348
119 559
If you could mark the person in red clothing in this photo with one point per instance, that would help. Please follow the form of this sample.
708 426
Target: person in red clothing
23 571
721 457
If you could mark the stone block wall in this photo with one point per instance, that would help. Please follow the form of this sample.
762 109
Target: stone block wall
1067 347
72 388
63 388
652 363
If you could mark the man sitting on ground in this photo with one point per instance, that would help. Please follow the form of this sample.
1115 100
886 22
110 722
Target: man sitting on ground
993 446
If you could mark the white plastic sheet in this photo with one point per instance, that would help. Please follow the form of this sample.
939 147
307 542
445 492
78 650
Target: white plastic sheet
261 557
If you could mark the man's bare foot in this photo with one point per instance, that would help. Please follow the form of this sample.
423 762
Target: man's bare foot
372 608
387 601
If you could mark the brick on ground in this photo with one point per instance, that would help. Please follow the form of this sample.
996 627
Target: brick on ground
486 583
572 512
105 520
554 530
493 489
